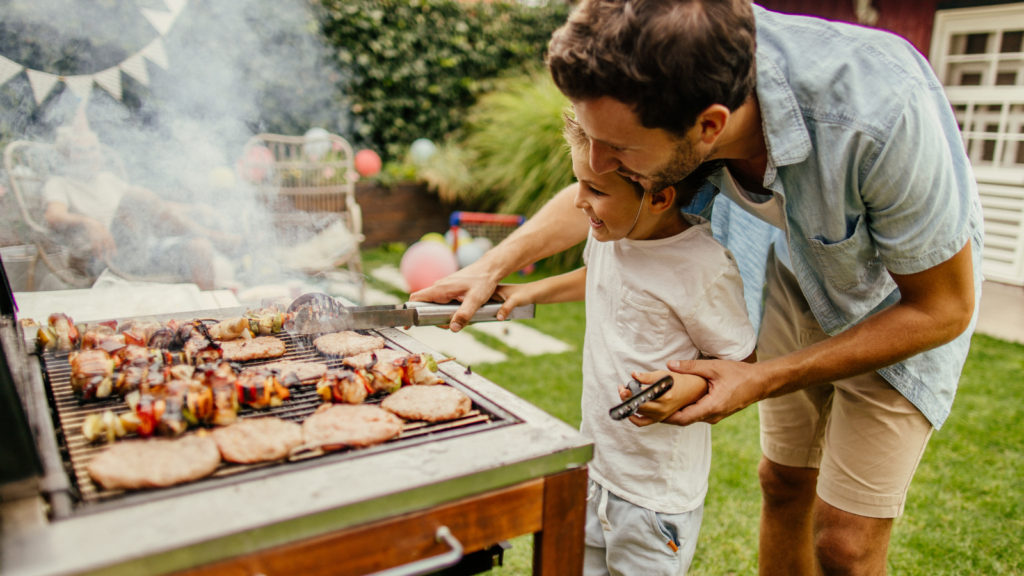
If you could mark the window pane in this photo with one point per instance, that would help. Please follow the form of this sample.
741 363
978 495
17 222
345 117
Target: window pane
976 44
969 43
968 73
1012 41
1020 149
1006 78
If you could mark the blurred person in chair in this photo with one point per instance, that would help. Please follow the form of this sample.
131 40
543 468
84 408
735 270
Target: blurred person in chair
113 223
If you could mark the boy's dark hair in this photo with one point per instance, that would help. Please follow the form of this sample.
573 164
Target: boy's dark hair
669 59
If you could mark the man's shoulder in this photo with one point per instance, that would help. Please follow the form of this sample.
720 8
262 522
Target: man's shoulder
840 73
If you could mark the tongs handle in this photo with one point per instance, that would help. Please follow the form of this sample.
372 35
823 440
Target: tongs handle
430 314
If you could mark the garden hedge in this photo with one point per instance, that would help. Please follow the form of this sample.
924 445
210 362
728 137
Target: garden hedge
416 65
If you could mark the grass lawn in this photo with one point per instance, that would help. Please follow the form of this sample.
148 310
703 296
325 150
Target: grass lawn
965 511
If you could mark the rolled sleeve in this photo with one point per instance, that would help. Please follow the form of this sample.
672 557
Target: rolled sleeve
919 191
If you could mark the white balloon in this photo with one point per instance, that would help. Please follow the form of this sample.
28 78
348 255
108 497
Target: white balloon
483 242
316 143
468 253
422 150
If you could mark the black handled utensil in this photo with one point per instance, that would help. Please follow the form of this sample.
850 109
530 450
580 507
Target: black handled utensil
640 397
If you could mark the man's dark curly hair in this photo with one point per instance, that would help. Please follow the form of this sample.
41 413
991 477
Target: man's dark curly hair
669 59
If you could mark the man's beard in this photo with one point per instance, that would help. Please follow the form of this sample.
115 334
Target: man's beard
686 159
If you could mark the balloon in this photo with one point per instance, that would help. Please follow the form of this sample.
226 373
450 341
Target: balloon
422 150
463 237
316 143
433 237
425 263
367 163
257 164
484 243
468 253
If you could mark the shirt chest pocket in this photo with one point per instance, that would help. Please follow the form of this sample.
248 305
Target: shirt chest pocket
641 321
852 262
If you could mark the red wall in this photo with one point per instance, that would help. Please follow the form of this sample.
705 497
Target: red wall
911 19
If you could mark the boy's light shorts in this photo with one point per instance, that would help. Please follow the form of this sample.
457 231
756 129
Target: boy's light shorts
865 437
623 539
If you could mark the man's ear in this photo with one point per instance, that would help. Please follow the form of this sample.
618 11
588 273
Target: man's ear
663 200
711 122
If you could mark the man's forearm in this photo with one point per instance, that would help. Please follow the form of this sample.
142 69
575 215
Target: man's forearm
935 307
559 225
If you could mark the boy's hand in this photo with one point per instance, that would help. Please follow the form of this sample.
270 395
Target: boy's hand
686 389
513 295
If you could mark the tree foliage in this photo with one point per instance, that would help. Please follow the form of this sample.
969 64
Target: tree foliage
417 65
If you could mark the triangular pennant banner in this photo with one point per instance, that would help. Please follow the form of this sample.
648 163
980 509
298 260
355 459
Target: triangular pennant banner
136 68
8 69
162 21
110 80
175 6
156 54
42 83
80 86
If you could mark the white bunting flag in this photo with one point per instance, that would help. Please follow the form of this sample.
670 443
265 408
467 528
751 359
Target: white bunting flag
42 83
175 6
155 53
162 21
80 86
110 80
136 68
8 69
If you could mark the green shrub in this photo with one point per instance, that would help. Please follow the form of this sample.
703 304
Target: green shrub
416 65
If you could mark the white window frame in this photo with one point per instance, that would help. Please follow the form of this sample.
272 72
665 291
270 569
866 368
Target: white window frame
1000 182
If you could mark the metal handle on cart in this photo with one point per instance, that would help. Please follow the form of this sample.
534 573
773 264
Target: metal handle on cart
432 564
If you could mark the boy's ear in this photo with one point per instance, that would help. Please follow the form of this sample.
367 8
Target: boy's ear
663 200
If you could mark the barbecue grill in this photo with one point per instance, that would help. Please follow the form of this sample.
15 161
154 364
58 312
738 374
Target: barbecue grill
504 470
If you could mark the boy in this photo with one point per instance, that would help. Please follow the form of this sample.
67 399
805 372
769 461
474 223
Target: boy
658 287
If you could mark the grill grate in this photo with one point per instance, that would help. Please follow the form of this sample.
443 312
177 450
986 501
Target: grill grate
304 400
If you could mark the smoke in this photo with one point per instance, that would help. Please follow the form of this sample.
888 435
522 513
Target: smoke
237 68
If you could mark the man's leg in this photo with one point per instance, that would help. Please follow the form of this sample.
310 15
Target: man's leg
786 541
846 543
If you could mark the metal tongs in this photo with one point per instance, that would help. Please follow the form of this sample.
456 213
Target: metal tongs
640 397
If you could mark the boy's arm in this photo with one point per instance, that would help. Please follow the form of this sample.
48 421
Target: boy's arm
568 287
686 389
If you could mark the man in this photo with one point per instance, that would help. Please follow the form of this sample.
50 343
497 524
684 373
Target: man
128 226
846 196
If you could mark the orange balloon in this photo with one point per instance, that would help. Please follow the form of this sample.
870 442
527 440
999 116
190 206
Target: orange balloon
367 163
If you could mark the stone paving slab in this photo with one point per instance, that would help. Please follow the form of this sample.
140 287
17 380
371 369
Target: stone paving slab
1002 312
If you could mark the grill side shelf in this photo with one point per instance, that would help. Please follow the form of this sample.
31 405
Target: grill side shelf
78 452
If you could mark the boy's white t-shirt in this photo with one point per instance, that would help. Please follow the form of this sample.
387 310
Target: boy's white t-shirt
648 302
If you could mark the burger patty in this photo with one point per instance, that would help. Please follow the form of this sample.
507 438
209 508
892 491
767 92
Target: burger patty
241 349
430 403
302 370
347 343
333 427
155 463
254 440
384 356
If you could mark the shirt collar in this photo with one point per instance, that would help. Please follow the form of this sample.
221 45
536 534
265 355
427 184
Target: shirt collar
785 133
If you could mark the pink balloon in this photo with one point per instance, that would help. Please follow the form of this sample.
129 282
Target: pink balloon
367 163
425 263
257 164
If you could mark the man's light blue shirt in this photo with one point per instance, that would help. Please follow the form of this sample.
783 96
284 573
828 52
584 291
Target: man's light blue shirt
867 157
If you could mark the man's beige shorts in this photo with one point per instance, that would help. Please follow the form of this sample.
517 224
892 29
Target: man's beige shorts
865 438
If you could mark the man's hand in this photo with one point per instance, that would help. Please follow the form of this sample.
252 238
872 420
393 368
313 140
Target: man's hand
732 386
473 286
685 389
